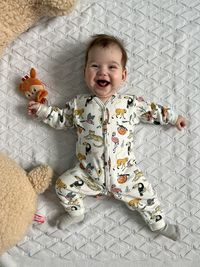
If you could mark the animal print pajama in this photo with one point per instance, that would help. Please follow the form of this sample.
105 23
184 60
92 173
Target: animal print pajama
106 162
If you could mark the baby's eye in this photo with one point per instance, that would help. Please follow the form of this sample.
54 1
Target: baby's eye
34 90
113 67
94 66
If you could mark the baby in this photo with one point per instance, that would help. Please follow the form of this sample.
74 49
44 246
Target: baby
104 120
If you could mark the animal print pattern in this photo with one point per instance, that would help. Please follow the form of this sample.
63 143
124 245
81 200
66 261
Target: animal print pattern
105 153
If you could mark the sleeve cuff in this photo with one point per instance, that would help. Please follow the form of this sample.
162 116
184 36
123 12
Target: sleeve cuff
173 118
42 112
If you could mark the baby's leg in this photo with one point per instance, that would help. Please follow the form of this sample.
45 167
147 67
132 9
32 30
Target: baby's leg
71 189
70 200
144 199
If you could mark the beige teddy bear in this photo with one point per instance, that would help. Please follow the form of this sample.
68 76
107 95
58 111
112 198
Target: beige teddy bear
18 199
16 16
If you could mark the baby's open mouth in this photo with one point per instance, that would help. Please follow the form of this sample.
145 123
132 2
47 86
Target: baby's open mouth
103 83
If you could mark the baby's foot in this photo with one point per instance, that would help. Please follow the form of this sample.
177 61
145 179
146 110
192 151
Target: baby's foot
171 231
65 220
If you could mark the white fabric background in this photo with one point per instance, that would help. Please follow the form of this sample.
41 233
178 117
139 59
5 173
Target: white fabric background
163 44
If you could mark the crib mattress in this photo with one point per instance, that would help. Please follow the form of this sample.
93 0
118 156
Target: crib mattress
162 39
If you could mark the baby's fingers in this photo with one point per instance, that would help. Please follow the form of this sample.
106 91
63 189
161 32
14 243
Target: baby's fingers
32 104
181 123
33 107
31 111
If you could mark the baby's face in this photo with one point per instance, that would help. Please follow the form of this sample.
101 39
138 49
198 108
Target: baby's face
104 73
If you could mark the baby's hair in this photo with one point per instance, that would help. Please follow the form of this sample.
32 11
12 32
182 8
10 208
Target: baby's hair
104 40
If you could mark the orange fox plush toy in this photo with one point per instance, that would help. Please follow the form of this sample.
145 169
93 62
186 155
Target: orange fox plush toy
33 88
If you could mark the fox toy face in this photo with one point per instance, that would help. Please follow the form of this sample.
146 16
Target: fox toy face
33 88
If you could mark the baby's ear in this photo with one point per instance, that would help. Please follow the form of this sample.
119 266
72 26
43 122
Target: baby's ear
124 74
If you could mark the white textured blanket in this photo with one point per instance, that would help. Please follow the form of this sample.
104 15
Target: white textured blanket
163 44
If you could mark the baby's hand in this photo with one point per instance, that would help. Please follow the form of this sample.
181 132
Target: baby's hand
33 107
180 123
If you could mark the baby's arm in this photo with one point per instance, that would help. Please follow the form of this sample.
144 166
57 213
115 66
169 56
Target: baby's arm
53 116
157 114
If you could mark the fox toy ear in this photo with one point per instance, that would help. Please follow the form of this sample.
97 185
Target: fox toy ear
21 87
33 73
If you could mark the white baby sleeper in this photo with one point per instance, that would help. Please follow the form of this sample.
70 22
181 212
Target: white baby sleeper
104 150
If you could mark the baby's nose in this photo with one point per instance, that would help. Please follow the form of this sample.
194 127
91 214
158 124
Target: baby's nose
103 71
